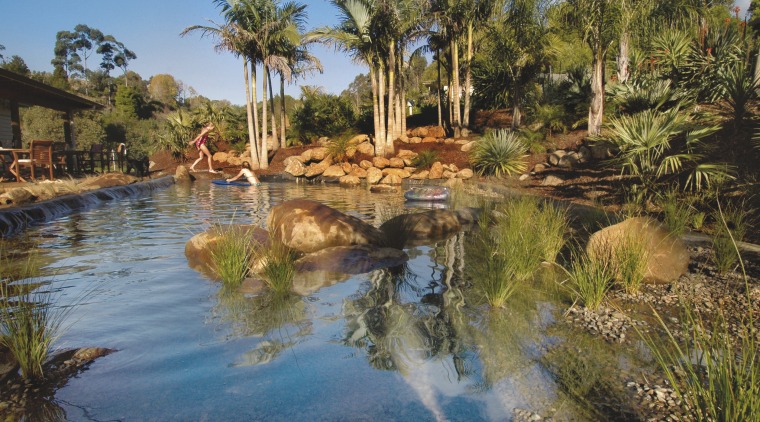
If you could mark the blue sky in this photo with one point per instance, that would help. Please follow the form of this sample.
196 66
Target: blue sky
151 29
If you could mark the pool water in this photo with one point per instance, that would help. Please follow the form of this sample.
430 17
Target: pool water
400 344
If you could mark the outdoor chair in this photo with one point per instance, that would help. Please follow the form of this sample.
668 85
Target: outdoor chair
40 155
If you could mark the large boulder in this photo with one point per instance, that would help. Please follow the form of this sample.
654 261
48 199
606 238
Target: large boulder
315 169
335 170
666 255
374 175
436 171
436 131
308 226
420 228
295 168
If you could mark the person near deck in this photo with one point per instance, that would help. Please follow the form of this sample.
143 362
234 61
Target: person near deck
200 142
247 173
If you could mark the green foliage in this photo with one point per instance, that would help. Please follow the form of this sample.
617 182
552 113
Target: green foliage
647 94
499 153
732 225
740 87
179 130
41 123
425 159
232 255
130 102
322 115
659 146
630 259
551 116
279 267
338 148
716 370
29 323
591 278
678 212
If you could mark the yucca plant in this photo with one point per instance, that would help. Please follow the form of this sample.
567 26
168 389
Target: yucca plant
740 87
499 153
635 97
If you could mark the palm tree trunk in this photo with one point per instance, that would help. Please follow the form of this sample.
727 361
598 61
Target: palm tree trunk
623 57
255 106
272 104
391 95
468 77
249 117
403 107
596 109
375 107
457 120
381 146
264 156
283 117
440 116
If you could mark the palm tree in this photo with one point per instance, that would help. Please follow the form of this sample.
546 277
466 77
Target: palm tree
231 37
354 35
478 13
451 15
597 21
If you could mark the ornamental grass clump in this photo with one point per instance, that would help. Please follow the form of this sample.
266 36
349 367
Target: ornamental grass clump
29 323
425 159
630 259
590 279
279 267
232 255
716 369
678 212
499 153
733 223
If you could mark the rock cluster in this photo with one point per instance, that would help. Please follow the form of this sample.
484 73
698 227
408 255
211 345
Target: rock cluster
609 324
660 403
567 159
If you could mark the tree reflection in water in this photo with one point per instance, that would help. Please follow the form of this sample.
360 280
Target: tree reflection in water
280 320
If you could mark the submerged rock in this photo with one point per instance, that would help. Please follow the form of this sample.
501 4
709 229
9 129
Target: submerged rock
352 259
420 228
308 226
199 248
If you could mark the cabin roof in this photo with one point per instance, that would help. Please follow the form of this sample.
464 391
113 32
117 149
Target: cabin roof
27 91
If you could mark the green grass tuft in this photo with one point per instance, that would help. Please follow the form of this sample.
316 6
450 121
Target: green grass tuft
232 255
591 279
279 268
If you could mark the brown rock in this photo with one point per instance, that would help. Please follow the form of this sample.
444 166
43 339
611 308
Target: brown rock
358 139
358 172
383 189
182 174
107 180
351 259
318 154
365 164
308 226
465 174
667 257
391 179
335 170
295 168
396 162
350 180
346 167
420 175
315 169
380 162
366 148
398 172
415 140
405 153
436 171
199 248
374 175
429 140
468 146
436 131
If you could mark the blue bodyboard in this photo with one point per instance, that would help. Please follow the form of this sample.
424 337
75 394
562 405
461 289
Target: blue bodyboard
222 182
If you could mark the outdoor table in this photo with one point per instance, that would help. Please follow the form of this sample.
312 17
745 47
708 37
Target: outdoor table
13 154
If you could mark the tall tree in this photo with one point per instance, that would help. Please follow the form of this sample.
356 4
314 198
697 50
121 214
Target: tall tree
598 22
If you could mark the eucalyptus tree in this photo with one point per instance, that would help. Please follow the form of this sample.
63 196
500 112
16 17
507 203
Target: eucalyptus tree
2 47
598 22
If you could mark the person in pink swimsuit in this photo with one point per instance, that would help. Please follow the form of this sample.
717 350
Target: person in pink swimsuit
200 144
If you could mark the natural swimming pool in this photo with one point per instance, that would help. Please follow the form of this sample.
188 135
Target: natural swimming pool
401 344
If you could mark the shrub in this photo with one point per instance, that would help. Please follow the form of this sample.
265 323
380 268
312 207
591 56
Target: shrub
425 159
499 153
322 115
338 148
